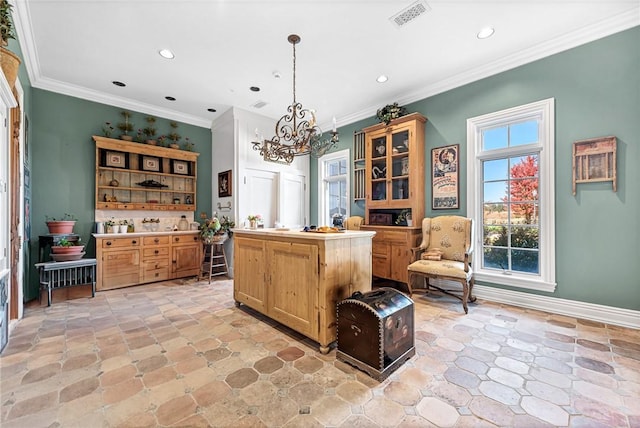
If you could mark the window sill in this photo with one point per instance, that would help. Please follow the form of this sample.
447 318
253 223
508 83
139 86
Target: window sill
516 281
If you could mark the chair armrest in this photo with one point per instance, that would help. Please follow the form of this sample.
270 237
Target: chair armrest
415 253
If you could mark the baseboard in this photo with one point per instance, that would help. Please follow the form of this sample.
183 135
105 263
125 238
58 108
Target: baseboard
590 311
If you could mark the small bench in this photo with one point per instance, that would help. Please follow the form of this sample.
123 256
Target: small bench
55 275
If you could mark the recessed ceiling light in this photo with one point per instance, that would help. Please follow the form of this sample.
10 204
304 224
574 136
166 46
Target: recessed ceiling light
485 33
166 53
169 98
382 78
115 82
212 110
254 89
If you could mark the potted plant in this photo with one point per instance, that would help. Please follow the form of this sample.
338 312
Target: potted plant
211 232
108 225
404 217
126 126
63 226
389 112
226 225
8 60
150 130
253 220
107 129
162 141
188 145
64 246
174 136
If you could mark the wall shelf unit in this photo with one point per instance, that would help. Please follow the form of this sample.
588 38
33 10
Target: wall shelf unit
359 184
136 176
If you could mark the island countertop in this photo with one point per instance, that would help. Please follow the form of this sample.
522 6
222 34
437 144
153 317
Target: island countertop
297 278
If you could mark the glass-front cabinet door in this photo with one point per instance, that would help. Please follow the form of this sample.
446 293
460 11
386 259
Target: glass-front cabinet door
390 160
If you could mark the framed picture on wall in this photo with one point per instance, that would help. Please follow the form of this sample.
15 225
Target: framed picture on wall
445 193
150 163
224 184
180 167
116 159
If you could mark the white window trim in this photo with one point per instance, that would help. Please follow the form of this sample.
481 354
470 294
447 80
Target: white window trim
321 171
544 109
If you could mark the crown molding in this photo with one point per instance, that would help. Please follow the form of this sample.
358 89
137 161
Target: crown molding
616 24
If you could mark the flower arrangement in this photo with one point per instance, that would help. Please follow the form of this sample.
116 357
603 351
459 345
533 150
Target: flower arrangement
150 130
162 141
389 112
254 217
188 145
212 231
173 135
226 224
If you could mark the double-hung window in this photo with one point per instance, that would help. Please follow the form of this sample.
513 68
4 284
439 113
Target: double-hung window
511 195
334 185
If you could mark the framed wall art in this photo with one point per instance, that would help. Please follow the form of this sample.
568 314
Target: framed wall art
115 159
224 184
151 163
180 167
594 160
444 177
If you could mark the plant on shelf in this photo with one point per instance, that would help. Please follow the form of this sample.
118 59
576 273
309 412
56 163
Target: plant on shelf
109 224
211 232
10 61
188 145
226 224
404 217
389 112
162 141
107 129
253 220
139 138
174 136
63 226
64 246
150 130
126 126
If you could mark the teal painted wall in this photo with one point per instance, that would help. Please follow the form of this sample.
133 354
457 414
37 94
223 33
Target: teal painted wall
597 93
63 160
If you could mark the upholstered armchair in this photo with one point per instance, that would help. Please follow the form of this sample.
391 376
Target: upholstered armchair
445 253
353 222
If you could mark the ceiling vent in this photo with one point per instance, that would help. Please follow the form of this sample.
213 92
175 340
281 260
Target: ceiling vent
259 104
410 13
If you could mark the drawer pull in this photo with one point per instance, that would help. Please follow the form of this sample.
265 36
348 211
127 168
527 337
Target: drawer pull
134 242
176 239
156 251
108 242
156 240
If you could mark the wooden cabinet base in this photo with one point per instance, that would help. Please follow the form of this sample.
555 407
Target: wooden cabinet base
391 251
138 258
297 278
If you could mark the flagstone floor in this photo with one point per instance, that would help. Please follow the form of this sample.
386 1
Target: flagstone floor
182 354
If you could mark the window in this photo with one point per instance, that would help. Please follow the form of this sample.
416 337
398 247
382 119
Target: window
511 195
334 182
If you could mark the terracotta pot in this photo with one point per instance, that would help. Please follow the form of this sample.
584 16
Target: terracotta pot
151 142
126 137
74 249
174 146
61 227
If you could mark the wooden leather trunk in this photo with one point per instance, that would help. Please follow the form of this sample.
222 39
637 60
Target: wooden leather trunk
375 331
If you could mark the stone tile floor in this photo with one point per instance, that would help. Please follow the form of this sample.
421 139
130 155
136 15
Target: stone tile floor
181 354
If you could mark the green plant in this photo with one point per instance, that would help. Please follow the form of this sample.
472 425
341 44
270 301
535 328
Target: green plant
173 135
125 126
226 225
403 216
150 130
162 141
107 129
66 217
389 112
188 145
7 31
209 228
64 242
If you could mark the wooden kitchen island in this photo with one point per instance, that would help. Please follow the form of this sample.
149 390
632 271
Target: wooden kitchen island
297 278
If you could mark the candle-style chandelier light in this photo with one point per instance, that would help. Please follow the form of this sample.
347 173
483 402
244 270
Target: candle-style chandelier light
297 132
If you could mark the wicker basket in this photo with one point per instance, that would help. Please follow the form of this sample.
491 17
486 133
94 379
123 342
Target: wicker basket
9 63
215 239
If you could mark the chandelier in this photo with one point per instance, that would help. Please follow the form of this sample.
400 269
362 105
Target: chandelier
297 132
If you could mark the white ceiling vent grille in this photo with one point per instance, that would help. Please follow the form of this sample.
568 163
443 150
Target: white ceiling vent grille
410 13
259 104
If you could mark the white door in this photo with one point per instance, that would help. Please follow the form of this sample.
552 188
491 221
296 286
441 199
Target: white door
260 197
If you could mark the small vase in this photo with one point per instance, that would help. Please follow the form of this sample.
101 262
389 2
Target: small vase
252 224
108 229
123 228
409 222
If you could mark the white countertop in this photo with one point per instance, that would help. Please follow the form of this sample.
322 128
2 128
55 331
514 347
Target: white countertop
133 234
298 233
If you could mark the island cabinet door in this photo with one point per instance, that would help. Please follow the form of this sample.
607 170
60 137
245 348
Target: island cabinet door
250 282
292 294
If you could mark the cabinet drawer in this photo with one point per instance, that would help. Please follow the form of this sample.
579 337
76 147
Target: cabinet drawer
155 240
122 280
396 236
380 266
156 275
185 239
156 264
155 252
119 262
120 242
380 249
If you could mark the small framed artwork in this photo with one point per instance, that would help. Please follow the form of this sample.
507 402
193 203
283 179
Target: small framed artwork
180 167
116 159
594 160
150 163
444 178
224 184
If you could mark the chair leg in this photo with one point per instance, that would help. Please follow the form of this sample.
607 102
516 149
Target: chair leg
472 298
409 282
465 296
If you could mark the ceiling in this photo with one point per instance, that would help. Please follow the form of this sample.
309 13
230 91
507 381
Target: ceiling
223 47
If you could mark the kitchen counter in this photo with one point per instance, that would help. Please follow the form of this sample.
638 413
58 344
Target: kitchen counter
297 278
145 233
